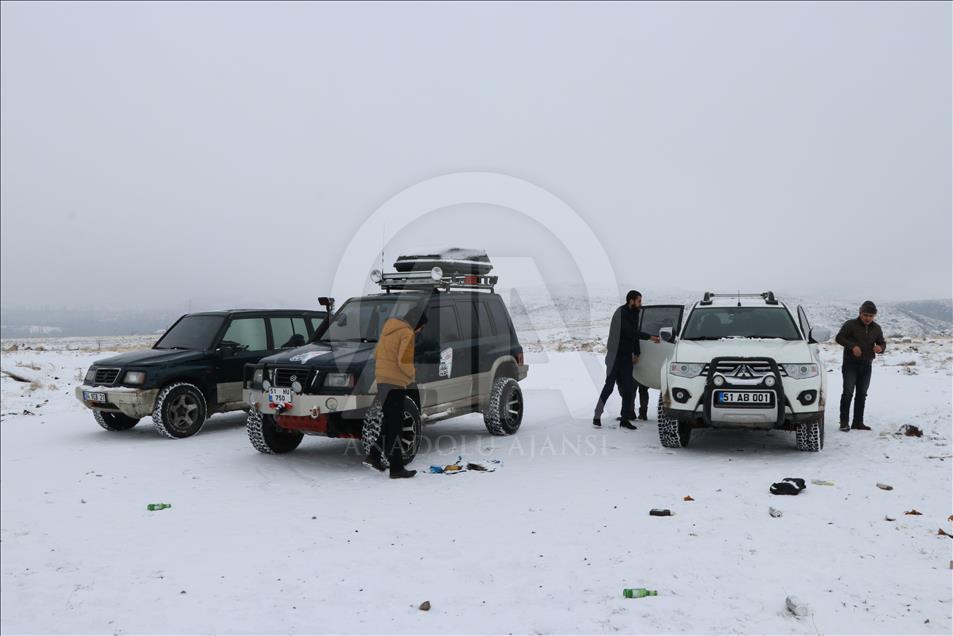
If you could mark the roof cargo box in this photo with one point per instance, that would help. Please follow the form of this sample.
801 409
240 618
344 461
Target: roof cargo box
453 260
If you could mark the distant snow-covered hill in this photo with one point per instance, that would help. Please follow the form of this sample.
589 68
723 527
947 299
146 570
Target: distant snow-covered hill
572 320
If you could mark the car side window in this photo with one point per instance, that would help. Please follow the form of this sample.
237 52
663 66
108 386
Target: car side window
500 320
447 321
483 320
246 334
288 332
466 314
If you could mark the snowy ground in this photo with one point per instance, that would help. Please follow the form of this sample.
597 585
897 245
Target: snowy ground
313 542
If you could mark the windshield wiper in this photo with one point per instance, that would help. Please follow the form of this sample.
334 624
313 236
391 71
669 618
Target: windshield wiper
704 338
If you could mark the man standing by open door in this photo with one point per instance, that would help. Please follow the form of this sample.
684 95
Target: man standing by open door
622 351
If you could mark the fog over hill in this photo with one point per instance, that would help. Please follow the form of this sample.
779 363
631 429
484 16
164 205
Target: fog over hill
564 314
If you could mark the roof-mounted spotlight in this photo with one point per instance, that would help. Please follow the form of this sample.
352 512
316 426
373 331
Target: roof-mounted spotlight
377 276
436 273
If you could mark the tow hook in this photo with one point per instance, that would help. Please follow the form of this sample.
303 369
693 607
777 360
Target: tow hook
315 412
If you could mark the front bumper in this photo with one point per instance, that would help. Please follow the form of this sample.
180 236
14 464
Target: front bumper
136 403
306 405
698 408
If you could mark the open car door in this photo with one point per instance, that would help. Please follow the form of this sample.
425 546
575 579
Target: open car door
648 372
804 323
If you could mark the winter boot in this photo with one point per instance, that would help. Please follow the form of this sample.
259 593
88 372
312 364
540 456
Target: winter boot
374 462
860 427
401 473
844 426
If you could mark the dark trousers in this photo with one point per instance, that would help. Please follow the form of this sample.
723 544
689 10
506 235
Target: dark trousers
643 392
392 405
856 378
618 373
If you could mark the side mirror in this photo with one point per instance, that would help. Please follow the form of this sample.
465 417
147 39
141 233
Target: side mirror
666 333
341 321
225 350
819 334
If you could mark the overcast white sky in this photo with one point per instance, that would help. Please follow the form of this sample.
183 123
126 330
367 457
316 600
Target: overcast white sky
153 153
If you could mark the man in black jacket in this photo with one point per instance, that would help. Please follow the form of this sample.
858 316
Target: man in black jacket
862 340
622 351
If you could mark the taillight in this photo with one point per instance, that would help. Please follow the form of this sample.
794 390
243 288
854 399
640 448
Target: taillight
519 358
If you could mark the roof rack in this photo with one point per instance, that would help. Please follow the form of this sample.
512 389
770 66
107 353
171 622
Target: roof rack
432 280
767 296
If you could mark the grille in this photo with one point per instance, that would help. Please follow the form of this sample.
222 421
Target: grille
106 376
744 370
283 376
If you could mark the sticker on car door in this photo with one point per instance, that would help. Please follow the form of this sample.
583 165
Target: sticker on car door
446 363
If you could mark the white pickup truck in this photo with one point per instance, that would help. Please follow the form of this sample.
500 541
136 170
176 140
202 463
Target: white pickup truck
741 361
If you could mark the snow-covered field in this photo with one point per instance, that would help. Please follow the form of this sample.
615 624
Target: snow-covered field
313 542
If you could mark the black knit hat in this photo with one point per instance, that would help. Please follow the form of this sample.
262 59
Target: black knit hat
415 317
868 307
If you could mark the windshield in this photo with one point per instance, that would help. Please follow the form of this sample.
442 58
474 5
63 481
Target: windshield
361 320
714 323
192 332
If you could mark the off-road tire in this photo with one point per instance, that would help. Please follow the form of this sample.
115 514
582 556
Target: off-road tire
504 410
809 436
114 421
671 433
373 426
269 438
180 411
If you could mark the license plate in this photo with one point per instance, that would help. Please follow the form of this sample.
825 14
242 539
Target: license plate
744 398
279 396
94 396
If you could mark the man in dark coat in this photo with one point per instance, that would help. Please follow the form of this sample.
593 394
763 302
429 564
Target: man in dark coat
862 340
622 351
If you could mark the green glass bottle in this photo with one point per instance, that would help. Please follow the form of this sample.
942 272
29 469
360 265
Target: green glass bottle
158 506
638 592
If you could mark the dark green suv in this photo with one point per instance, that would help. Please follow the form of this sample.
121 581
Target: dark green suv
194 370
467 358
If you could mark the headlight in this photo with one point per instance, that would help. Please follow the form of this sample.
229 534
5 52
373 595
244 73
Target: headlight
266 385
90 375
134 377
258 377
685 369
718 380
296 386
339 380
331 403
801 371
769 380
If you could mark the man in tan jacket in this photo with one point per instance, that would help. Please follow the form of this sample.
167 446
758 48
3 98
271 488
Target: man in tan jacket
394 372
